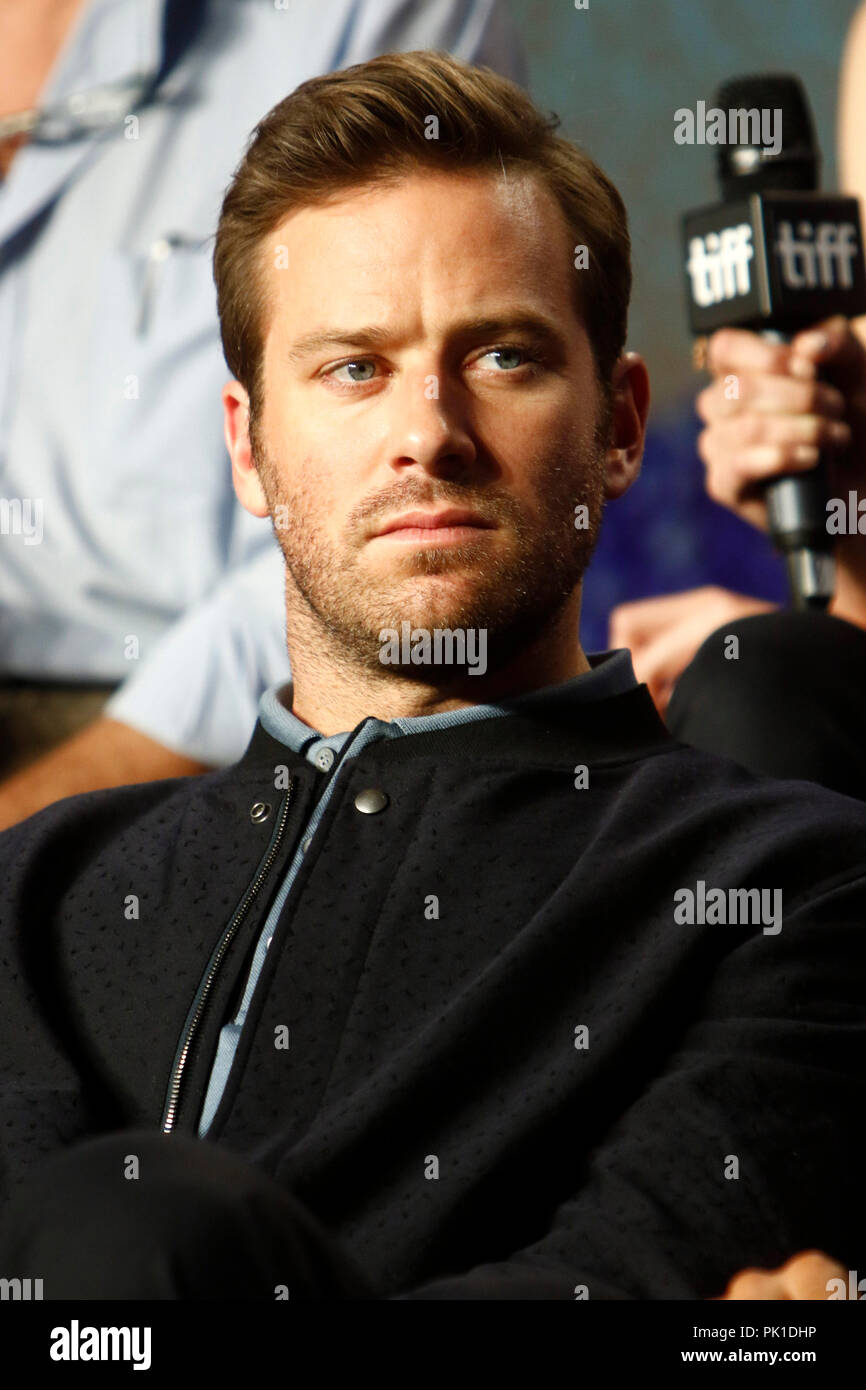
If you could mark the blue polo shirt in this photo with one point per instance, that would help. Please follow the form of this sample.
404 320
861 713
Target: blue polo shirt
611 674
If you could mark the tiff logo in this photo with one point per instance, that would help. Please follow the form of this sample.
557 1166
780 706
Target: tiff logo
718 265
817 256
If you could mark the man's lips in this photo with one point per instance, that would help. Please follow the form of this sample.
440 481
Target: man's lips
434 525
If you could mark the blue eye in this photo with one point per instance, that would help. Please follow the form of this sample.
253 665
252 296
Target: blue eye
357 361
527 358
508 352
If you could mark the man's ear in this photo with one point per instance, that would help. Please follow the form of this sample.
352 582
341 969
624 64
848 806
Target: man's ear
629 410
245 477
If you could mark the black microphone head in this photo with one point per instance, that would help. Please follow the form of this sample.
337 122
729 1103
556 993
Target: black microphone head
746 165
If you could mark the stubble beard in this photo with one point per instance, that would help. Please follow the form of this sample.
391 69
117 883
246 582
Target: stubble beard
516 595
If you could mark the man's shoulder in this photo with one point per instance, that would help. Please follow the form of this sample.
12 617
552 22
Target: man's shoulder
705 774
685 794
97 817
711 808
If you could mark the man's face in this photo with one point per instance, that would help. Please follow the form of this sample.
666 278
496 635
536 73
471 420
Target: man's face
454 402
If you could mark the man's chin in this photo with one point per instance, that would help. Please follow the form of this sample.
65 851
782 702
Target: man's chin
428 599
467 562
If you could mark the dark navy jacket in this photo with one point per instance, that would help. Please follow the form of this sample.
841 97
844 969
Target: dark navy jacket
548 1087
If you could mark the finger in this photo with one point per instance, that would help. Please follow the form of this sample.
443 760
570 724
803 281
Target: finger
756 1284
736 480
630 624
738 350
772 395
637 621
662 661
807 1275
751 428
734 474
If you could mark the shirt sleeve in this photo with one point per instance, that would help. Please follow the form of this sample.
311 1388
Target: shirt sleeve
198 691
747 1149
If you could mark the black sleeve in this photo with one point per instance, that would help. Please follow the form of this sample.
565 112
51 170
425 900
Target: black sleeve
747 1148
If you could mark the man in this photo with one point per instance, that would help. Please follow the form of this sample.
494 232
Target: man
473 981
140 613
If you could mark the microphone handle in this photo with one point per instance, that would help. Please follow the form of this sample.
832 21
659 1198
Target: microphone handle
797 517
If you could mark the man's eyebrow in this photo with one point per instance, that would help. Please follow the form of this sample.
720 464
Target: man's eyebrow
375 336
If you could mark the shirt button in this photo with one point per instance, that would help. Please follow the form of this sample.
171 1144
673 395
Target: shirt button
306 845
325 758
370 800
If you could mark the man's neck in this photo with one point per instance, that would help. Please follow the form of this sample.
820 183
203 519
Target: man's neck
332 695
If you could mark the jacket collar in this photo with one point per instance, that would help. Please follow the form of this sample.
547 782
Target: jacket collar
623 727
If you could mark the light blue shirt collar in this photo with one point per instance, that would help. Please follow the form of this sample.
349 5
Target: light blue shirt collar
611 674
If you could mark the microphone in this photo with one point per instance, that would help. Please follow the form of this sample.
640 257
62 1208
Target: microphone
776 256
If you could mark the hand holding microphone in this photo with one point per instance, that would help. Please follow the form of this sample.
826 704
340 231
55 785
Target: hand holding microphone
782 418
776 257
773 273
784 415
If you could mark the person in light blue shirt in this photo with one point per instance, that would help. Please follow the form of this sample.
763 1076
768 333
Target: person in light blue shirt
125 560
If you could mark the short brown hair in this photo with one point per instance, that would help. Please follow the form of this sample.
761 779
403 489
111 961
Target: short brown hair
369 124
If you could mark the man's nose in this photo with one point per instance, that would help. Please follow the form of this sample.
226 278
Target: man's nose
430 425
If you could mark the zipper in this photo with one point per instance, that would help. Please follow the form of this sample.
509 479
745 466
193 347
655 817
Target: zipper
170 1113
